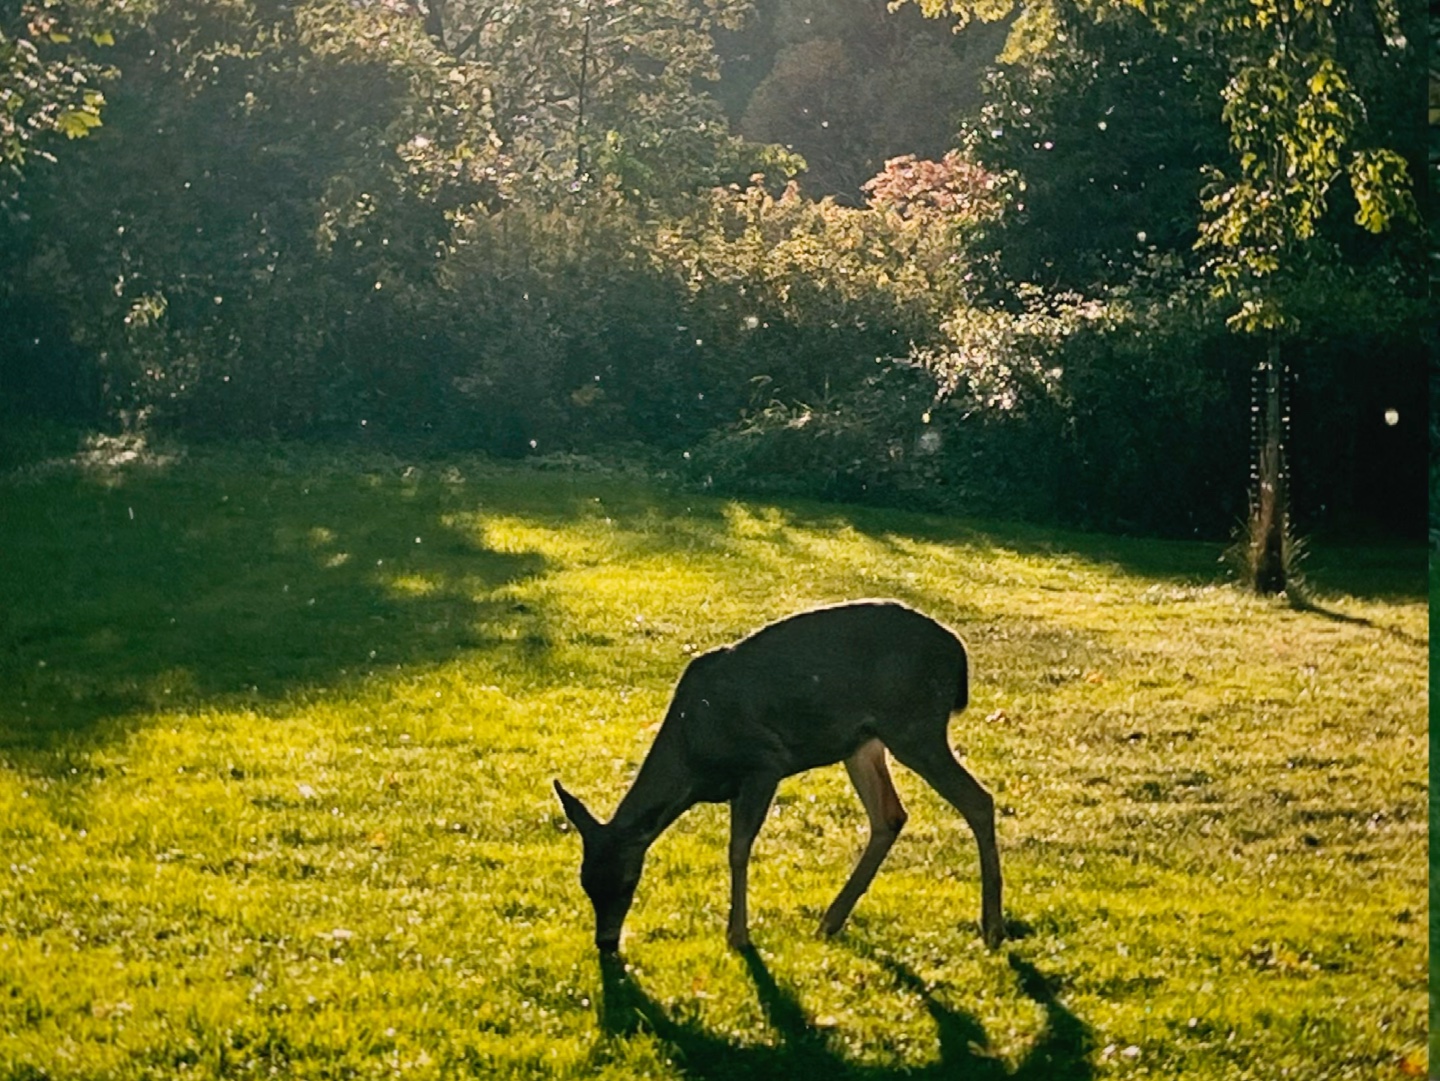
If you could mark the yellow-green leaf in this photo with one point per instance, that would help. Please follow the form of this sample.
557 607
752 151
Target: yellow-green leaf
76 123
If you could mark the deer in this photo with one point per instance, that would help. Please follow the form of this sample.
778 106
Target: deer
852 683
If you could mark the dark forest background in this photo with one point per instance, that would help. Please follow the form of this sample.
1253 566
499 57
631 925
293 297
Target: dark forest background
1032 266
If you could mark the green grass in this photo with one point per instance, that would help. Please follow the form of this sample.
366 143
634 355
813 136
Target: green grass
277 733
1434 815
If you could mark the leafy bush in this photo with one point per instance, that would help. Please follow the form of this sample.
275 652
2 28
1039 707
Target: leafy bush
592 320
1123 416
867 444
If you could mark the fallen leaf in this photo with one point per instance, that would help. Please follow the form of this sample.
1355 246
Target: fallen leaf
1414 1064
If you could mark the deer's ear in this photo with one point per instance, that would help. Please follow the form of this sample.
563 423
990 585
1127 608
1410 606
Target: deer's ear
575 811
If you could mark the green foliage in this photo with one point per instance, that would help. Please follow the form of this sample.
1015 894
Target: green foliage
578 89
1381 182
1127 415
223 250
1105 131
289 248
853 84
409 223
560 332
1291 119
588 322
50 76
276 753
862 445
813 291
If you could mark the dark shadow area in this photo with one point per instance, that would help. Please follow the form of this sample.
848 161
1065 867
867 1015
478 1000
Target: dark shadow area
1174 561
1302 603
1386 571
1060 1053
194 585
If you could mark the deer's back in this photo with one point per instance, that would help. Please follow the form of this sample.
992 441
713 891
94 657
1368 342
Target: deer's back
810 689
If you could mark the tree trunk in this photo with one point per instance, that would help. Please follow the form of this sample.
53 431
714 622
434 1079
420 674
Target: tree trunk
1270 503
434 12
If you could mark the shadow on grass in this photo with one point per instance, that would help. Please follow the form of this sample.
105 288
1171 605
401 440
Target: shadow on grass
1392 571
245 576
1378 572
178 588
1172 561
1303 603
1061 1053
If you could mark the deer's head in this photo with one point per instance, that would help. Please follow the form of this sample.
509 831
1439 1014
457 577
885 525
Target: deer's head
609 870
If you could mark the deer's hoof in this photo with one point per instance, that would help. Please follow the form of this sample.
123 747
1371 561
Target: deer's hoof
738 940
994 934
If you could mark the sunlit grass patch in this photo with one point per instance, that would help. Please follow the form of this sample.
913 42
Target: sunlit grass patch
247 834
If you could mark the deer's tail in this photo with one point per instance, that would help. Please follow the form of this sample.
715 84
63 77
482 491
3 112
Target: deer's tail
962 690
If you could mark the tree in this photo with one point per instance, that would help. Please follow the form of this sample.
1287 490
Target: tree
854 84
237 246
1307 102
49 80
1294 114
1108 129
594 87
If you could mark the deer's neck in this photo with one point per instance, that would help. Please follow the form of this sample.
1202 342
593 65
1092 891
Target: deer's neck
661 793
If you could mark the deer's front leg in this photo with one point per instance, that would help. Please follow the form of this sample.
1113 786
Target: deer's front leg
747 815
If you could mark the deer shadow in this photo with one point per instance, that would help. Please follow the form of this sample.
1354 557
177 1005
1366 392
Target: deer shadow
1061 1053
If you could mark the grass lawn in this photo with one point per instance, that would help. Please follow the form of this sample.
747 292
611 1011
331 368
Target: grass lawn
278 729
1434 812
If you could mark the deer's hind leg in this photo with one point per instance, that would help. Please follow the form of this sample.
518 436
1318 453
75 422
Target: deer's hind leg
933 760
871 777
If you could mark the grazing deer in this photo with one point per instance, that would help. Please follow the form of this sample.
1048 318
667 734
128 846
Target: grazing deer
842 683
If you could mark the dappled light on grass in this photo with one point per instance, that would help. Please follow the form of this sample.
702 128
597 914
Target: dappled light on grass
321 840
168 590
